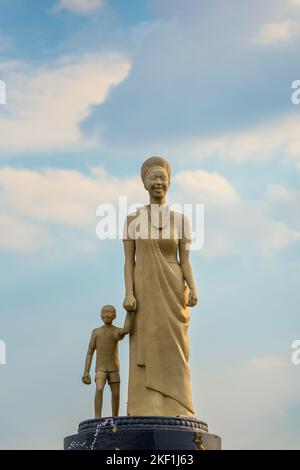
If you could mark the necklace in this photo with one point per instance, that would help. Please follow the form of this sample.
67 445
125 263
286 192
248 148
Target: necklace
167 218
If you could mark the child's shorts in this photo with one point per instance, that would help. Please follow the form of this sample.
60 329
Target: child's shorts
111 377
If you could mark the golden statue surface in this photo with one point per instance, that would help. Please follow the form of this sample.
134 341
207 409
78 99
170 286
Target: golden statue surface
160 288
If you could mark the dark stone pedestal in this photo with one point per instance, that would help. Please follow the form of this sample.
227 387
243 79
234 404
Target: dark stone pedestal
143 433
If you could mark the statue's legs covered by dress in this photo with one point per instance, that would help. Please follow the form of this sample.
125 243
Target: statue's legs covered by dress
159 375
144 401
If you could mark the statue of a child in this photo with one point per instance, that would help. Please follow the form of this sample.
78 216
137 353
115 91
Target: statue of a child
105 341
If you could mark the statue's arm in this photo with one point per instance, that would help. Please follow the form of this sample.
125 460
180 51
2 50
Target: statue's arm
184 256
129 251
86 379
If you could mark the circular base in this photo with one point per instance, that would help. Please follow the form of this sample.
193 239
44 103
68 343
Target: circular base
143 433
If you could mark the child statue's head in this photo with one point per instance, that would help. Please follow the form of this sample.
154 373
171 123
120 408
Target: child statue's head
108 314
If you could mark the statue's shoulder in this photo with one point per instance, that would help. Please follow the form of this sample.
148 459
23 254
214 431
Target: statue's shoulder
180 217
131 222
97 331
131 216
134 214
182 225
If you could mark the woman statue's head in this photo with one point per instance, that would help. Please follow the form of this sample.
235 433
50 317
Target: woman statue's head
156 174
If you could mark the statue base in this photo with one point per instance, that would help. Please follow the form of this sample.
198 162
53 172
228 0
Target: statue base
143 433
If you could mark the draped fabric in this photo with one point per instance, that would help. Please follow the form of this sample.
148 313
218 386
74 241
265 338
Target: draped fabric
159 376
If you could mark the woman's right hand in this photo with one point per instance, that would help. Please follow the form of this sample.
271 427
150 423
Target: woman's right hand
129 303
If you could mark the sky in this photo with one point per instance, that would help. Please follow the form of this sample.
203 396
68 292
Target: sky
93 87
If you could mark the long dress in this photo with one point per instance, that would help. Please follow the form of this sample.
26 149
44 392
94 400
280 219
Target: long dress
159 376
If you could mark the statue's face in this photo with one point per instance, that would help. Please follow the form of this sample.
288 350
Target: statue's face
157 182
108 315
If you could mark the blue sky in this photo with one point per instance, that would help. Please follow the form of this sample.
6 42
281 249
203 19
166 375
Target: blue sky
93 88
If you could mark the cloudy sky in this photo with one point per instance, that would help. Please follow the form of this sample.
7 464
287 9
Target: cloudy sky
93 87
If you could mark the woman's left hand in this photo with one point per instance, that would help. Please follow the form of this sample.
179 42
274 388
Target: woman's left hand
193 297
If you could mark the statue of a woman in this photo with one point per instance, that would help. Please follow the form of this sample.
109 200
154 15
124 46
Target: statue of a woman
160 288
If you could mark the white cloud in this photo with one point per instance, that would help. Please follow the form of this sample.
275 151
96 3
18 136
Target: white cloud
284 203
231 224
66 197
263 141
67 200
279 32
19 235
206 186
260 142
265 362
184 86
46 105
80 7
64 201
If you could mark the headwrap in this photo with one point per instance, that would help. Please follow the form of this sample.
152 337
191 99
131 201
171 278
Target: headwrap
154 162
